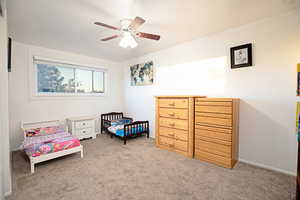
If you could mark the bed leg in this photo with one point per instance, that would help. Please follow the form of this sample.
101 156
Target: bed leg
31 166
81 153
148 134
125 140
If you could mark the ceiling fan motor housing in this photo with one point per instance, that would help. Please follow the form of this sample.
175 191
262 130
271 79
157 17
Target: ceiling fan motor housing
125 24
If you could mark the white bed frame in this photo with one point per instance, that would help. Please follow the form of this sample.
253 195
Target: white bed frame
45 157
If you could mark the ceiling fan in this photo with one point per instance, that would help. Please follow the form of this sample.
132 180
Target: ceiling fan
129 32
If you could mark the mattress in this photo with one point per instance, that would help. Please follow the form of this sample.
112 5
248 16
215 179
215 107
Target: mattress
36 146
119 130
122 121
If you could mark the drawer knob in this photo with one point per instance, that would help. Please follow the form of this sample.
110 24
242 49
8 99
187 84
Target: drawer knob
172 114
83 131
83 123
171 104
172 124
171 135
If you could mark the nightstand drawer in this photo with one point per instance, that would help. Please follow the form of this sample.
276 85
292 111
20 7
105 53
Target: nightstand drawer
84 124
82 132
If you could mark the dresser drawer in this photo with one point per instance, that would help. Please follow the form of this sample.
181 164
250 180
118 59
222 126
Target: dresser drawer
215 129
212 134
174 113
213 119
214 148
173 103
166 141
212 102
173 133
181 145
174 123
209 139
83 132
84 124
214 109
213 158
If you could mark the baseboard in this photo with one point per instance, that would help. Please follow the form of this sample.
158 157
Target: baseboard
268 167
8 193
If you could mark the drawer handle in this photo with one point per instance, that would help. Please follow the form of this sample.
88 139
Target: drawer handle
171 135
83 124
172 114
171 104
83 131
173 124
171 145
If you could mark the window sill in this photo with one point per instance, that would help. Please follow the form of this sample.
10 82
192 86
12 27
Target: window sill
67 96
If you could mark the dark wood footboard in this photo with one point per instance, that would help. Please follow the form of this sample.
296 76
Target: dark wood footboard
134 129
137 128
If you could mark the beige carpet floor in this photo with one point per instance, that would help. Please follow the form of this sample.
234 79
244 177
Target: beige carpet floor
138 170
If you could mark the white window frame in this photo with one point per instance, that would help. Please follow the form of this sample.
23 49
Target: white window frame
34 79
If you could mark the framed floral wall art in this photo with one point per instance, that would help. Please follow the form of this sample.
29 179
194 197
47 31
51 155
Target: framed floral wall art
142 74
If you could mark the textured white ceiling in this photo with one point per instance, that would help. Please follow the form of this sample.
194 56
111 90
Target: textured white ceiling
68 24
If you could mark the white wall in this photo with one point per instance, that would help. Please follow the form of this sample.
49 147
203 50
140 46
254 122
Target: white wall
25 108
5 174
267 90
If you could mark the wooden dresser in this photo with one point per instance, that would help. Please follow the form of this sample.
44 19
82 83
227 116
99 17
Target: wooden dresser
175 124
216 130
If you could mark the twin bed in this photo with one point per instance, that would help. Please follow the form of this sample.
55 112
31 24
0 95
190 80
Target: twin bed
49 139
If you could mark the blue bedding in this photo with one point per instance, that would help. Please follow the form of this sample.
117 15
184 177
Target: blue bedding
120 122
119 130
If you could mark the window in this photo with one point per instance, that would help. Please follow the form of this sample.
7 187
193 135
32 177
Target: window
59 78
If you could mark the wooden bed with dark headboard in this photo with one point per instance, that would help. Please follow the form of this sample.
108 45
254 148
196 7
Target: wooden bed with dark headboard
129 129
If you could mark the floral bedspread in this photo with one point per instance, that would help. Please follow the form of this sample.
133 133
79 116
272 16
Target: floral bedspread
36 146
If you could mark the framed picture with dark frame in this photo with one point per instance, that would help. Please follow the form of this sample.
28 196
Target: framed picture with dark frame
241 56
1 11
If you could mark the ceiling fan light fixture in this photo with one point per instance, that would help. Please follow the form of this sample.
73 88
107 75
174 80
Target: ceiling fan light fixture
128 41
129 32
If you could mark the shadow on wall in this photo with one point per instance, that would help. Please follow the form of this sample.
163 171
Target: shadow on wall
259 131
203 77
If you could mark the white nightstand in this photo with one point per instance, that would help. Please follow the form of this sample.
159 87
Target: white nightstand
82 127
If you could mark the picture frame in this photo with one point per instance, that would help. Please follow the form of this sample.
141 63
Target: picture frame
142 74
241 56
298 79
1 10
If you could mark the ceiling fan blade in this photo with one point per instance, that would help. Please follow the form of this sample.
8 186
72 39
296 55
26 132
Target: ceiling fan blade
148 36
110 38
107 26
137 22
